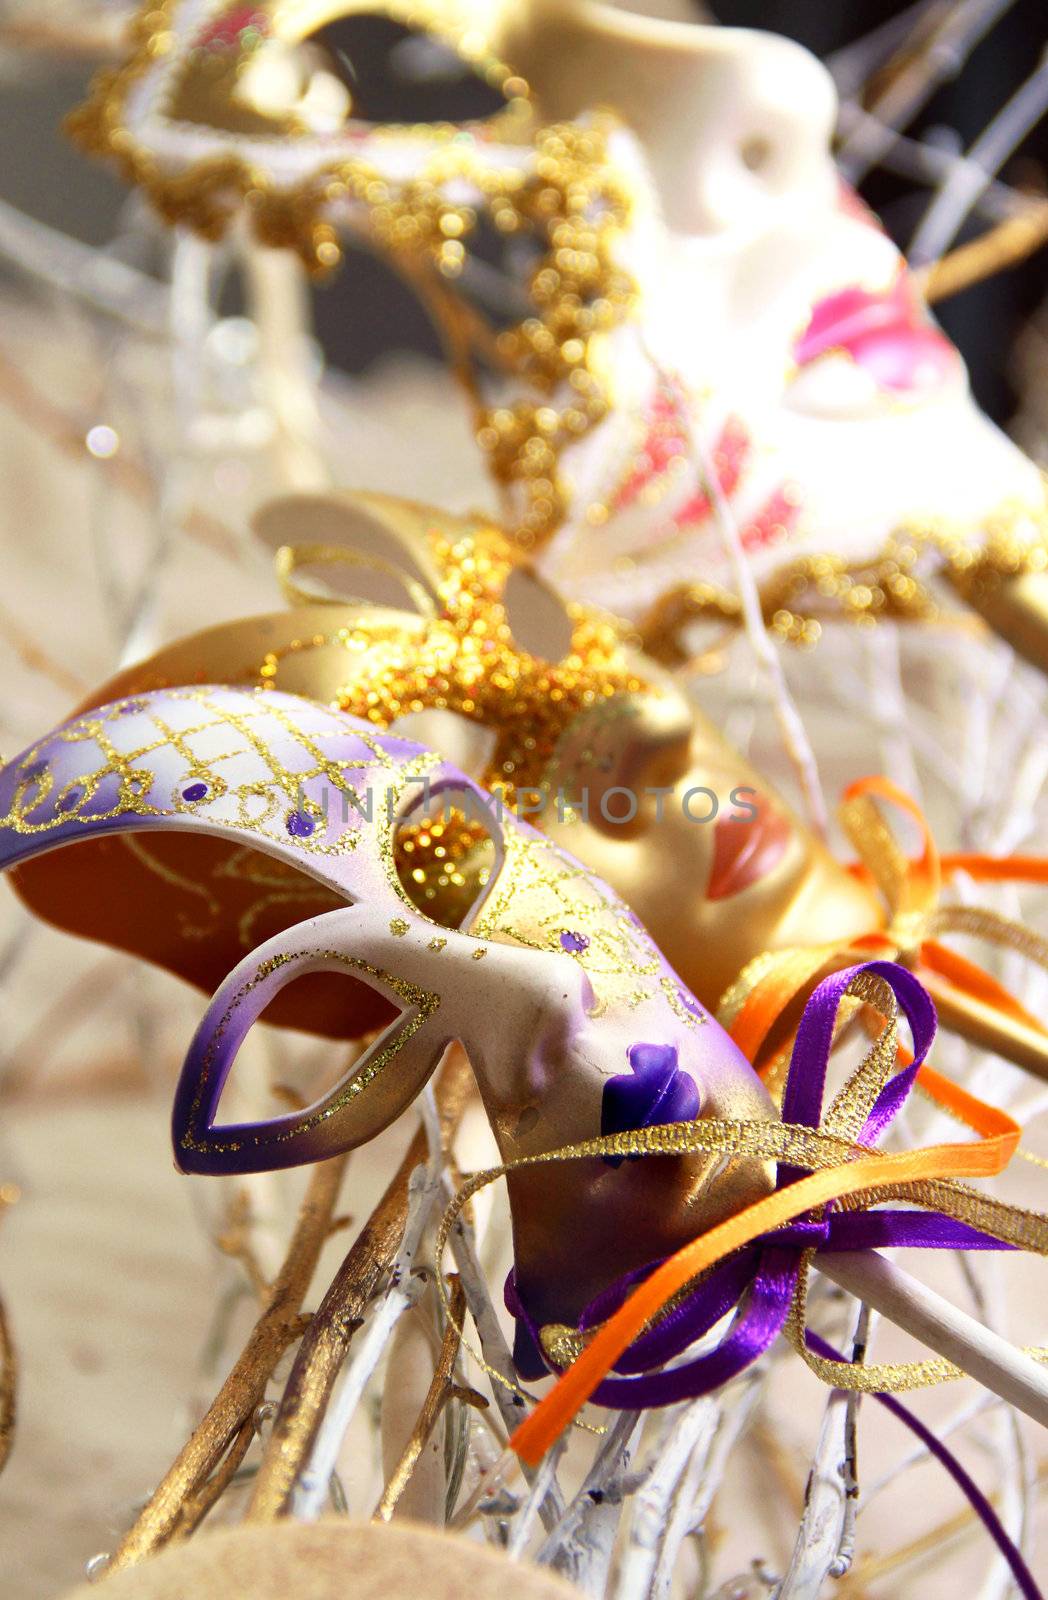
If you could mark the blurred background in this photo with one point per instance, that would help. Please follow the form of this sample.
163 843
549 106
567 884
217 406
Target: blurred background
364 314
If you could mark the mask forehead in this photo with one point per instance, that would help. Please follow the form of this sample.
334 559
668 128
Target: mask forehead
207 819
544 899
260 768
320 794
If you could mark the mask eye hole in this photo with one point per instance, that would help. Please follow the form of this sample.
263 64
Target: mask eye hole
537 617
302 1071
397 74
447 854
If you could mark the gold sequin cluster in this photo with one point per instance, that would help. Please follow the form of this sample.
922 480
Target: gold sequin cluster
891 586
466 660
565 193
577 205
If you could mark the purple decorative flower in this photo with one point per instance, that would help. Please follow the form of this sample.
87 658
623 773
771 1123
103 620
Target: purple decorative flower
573 943
299 824
656 1091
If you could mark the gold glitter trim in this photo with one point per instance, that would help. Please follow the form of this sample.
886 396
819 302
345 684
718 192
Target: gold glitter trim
564 192
465 659
811 1150
424 1004
813 589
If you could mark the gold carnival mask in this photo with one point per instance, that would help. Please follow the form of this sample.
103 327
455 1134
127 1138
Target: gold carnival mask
539 701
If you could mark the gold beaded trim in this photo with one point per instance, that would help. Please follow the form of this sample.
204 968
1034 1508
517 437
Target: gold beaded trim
815 588
464 658
568 196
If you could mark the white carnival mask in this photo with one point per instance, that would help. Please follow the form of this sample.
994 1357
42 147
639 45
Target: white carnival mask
780 324
740 297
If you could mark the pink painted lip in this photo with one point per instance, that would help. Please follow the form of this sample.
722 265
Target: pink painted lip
744 852
887 333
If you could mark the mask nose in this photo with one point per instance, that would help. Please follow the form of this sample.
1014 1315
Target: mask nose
728 117
746 123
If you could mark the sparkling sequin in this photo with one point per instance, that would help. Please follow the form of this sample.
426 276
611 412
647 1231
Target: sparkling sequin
466 660
563 192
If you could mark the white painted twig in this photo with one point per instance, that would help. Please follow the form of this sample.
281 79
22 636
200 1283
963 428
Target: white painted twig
496 1351
943 1431
887 703
794 734
96 279
406 1286
705 1475
968 177
531 1509
736 1409
928 163
964 24
580 1545
692 1429
988 1358
852 64
819 1550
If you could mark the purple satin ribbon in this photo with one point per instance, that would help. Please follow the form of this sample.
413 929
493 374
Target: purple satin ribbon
766 1271
1024 1578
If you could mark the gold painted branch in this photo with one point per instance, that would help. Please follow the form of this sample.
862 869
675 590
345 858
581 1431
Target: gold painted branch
987 1028
221 1430
1015 607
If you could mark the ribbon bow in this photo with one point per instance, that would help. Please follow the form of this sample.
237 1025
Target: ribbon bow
967 998
828 1176
827 1163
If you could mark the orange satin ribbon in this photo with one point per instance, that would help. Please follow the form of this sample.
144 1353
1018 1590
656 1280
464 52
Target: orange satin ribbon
982 1159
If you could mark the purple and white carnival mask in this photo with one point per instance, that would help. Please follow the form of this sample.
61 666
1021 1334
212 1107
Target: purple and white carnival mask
572 1020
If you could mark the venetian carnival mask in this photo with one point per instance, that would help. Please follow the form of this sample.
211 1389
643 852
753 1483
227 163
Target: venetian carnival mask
455 639
782 327
742 316
256 803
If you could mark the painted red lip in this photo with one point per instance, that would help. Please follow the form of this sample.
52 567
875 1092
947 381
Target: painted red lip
746 850
887 333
